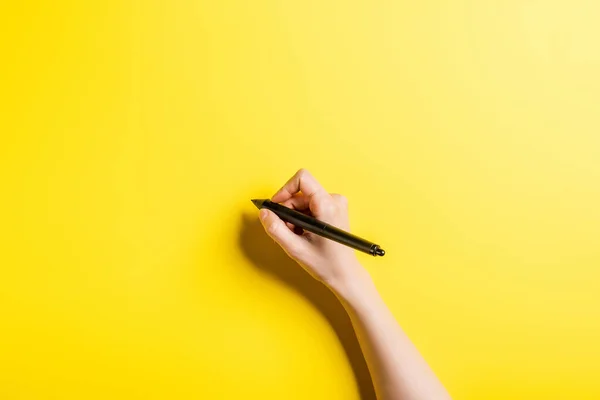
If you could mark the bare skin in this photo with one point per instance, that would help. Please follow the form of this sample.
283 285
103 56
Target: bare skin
397 368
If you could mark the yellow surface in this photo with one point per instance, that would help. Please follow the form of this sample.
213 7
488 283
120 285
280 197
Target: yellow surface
466 135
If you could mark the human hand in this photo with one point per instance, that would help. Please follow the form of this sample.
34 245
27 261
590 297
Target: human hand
330 262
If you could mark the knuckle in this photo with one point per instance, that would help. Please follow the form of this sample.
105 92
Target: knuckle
342 199
305 174
272 228
329 207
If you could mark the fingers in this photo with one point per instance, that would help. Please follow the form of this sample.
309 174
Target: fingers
280 233
332 209
303 182
299 203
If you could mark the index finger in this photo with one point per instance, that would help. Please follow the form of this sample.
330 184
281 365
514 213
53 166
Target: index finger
303 182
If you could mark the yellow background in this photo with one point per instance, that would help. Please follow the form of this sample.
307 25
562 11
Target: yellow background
466 135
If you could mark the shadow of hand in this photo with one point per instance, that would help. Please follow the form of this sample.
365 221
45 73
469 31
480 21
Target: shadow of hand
266 255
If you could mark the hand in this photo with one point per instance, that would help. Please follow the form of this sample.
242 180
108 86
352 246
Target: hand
330 262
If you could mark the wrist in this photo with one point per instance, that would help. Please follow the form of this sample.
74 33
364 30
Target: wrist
354 286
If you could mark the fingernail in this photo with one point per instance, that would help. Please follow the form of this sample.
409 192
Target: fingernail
263 214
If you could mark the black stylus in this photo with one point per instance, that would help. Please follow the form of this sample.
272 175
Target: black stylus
319 227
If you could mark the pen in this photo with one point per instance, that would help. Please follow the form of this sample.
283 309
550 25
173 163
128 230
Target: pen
320 228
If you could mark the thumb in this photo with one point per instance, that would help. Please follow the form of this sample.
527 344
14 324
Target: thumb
279 232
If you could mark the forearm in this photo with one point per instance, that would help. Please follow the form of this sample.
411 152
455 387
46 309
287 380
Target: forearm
397 368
